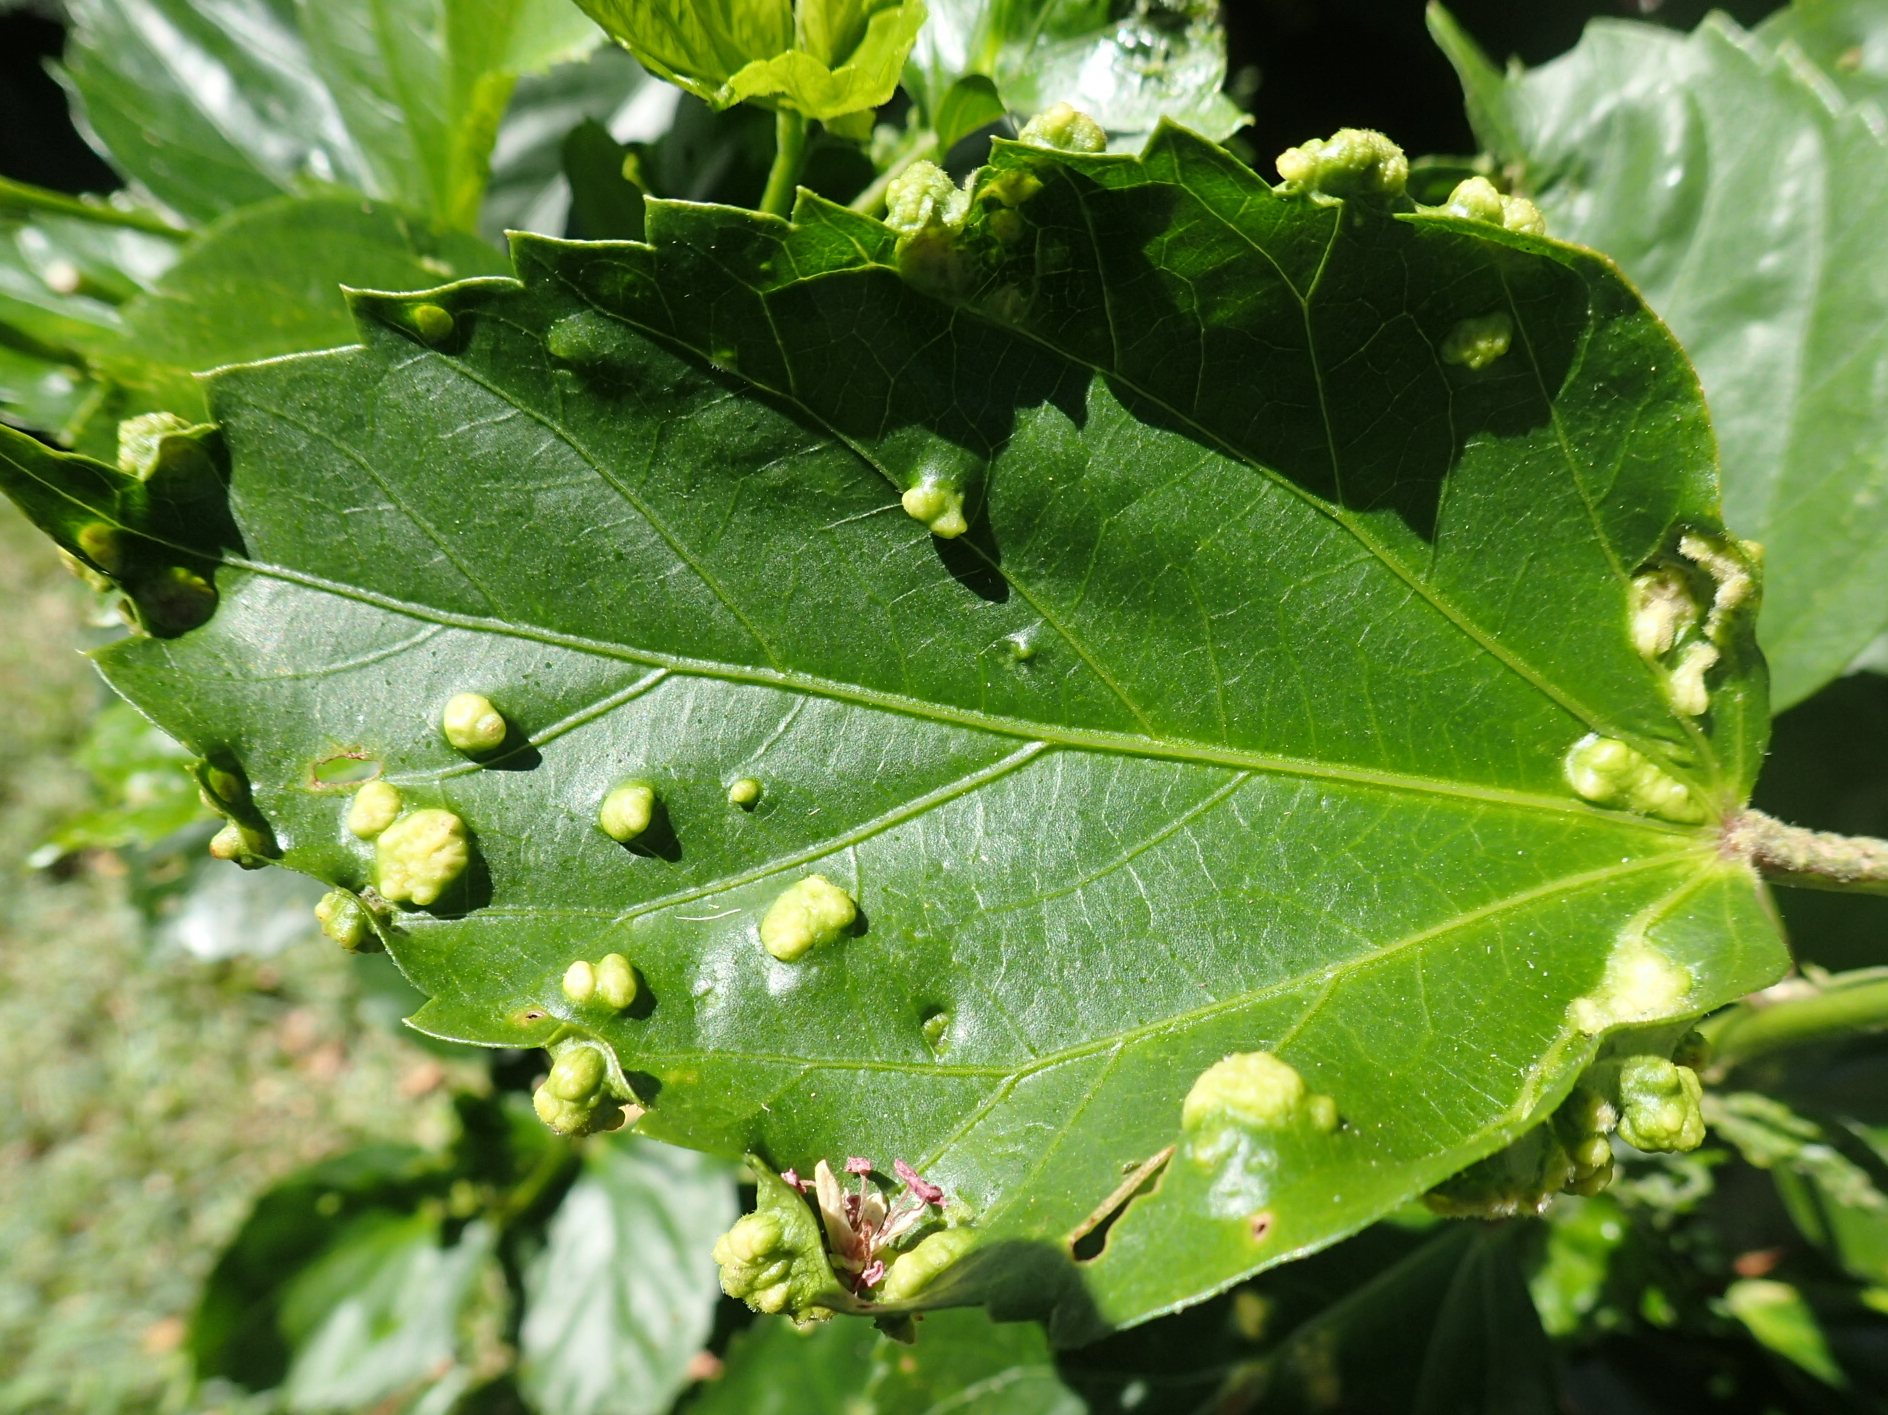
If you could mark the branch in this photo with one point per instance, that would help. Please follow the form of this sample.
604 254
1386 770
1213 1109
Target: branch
1809 859
1848 1002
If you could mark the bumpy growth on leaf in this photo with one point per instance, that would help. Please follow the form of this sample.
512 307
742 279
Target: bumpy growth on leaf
808 913
1659 1105
1315 619
627 810
774 1258
472 724
374 807
579 1097
418 856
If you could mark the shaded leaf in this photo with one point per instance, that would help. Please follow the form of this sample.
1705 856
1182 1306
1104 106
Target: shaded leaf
377 1315
1780 1319
604 203
773 1369
141 777
623 1295
1745 198
967 105
1237 722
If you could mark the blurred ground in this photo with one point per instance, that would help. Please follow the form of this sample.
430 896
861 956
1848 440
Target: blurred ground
145 1098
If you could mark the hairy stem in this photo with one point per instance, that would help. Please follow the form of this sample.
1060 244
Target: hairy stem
1809 859
1847 1003
23 196
789 157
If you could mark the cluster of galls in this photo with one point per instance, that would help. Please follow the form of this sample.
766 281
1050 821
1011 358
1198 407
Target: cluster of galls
1653 1103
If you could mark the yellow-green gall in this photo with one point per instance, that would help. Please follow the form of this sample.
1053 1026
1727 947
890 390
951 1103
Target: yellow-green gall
433 322
1478 199
141 441
575 1098
101 545
744 792
1640 984
627 810
922 196
912 1272
1662 609
580 982
1352 162
1252 1088
1476 343
939 506
418 855
472 724
616 981
1609 773
343 920
374 807
1685 685
1064 128
807 914
1660 1105
228 843
756 1262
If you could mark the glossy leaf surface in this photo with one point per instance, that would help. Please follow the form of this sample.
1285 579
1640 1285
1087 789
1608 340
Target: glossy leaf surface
1746 199
623 1294
216 107
1126 66
1236 722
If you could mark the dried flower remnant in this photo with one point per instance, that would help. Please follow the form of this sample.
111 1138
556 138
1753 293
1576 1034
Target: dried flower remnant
861 1227
374 807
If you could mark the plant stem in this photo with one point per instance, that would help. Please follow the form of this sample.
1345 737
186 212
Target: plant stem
1848 1003
1809 859
27 197
789 157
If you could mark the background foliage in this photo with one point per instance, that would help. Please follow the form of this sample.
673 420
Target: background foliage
1749 1275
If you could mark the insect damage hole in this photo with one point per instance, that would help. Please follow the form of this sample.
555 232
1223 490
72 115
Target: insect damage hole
1089 1238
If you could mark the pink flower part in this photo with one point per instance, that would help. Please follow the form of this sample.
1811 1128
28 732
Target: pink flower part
870 1277
792 1177
855 1165
917 1183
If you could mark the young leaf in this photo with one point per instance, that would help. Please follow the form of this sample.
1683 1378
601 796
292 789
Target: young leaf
823 58
969 104
1239 721
623 1295
1746 199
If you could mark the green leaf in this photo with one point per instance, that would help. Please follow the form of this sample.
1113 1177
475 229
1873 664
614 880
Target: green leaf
967 105
1449 1328
1843 38
1239 720
141 776
772 1369
1746 200
377 1315
623 1294
267 280
604 203
1582 1237
235 1333
825 59
1125 66
1776 1314
217 107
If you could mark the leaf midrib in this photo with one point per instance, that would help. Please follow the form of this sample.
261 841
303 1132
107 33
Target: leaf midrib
1079 738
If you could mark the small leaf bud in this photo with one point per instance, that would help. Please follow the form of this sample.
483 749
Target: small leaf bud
744 792
374 807
616 982
419 855
472 725
580 982
627 810
1064 128
812 912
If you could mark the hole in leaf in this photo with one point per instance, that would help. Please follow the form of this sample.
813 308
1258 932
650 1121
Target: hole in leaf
1090 1237
352 767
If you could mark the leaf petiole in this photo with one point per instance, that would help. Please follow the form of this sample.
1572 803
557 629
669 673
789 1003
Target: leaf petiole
1849 1002
1809 859
789 157
24 196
